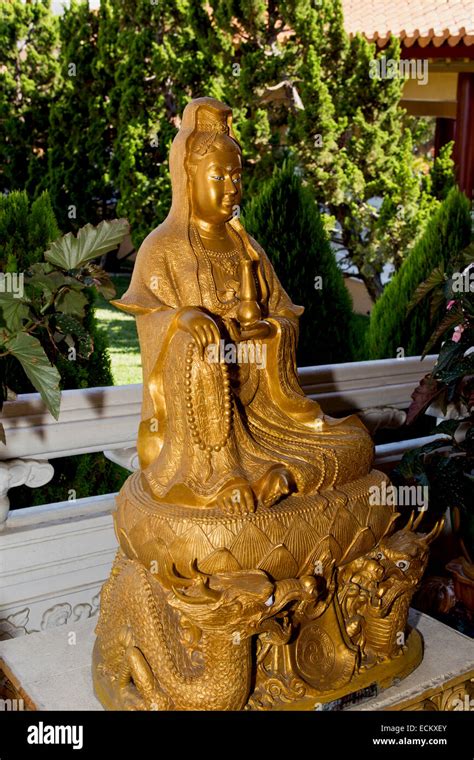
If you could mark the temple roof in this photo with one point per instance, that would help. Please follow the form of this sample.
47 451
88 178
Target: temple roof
422 22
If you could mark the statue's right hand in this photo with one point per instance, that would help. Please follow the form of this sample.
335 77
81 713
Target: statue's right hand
201 326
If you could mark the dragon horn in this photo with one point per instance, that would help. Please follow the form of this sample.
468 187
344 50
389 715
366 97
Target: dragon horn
410 522
196 572
206 590
393 518
207 595
430 537
171 576
419 519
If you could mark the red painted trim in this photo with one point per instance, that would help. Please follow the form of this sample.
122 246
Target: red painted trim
464 147
443 51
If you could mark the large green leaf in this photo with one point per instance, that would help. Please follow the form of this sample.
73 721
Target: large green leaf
463 367
47 282
13 310
71 252
71 302
43 376
446 426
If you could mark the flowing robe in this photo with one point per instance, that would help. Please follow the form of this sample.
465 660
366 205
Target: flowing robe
272 422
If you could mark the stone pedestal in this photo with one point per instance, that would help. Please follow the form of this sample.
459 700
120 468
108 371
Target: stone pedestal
52 671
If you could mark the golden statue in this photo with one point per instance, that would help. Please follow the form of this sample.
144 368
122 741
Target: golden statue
254 571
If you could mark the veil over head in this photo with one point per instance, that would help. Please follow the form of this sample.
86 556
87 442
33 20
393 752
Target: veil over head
168 246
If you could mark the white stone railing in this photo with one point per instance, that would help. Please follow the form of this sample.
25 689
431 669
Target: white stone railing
54 558
106 419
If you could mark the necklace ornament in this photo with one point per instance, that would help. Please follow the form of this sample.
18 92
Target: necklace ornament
228 260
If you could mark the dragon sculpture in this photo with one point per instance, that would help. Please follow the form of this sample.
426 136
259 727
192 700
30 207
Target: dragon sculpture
376 591
170 642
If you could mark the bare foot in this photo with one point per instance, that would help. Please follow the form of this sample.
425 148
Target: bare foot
238 498
276 484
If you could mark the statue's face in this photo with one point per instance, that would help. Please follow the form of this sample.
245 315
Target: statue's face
216 184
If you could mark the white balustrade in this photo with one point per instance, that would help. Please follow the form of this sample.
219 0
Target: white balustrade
106 419
54 558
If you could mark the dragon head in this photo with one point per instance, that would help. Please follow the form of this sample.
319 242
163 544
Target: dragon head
395 566
240 603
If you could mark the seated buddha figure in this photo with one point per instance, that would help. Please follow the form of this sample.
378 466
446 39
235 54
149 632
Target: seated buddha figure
232 433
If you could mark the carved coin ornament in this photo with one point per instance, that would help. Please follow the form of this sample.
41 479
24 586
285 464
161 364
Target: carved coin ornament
315 655
248 527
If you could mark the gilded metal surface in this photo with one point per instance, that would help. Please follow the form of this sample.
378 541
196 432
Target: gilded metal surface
253 571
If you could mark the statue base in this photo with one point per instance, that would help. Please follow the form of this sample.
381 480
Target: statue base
290 607
286 540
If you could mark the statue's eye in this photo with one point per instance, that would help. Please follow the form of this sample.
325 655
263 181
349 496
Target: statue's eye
403 564
218 177
236 180
380 555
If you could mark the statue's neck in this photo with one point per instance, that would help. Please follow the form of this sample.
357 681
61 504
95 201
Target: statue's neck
210 230
214 236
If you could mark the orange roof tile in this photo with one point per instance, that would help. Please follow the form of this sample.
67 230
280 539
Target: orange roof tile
421 21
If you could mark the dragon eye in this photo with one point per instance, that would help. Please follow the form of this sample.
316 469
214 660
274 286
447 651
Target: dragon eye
403 564
380 555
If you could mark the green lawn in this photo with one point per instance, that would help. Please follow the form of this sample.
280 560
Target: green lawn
122 337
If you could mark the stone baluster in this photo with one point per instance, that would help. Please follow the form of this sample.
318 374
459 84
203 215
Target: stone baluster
19 472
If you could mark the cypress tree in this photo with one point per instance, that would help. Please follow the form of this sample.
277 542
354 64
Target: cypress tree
447 233
162 60
28 81
347 130
285 220
25 230
81 137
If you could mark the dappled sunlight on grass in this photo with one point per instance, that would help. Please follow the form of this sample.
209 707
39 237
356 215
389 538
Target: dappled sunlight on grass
122 338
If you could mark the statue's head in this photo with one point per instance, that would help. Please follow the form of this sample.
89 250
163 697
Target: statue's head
214 161
205 164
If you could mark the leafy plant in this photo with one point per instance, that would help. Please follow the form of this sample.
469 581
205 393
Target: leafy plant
446 465
42 318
